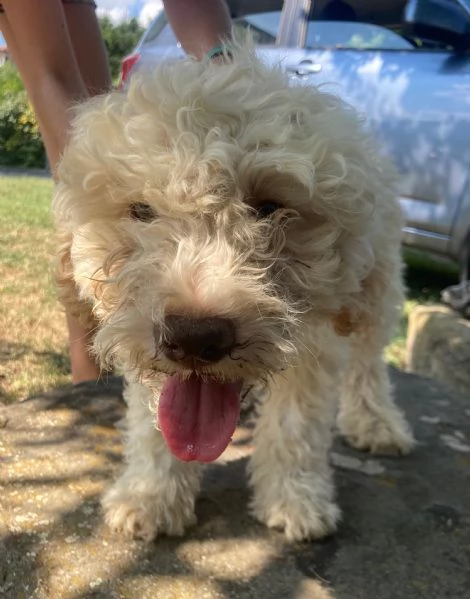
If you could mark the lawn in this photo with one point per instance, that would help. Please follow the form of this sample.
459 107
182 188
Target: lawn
33 337
33 348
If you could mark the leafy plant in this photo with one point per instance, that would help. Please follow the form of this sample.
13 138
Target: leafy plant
20 139
119 41
10 81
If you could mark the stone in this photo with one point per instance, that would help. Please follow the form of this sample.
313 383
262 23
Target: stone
405 531
438 346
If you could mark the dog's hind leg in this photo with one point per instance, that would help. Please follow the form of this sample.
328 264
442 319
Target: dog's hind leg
156 493
289 469
368 417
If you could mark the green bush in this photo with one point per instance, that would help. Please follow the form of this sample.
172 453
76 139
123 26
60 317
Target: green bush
119 41
20 139
10 81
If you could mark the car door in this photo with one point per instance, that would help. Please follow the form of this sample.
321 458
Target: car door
414 96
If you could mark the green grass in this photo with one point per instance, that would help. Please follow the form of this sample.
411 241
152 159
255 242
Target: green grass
33 339
26 202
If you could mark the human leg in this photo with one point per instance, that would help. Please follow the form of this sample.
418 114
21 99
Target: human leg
58 71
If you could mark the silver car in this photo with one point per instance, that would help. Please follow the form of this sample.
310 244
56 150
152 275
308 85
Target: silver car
403 65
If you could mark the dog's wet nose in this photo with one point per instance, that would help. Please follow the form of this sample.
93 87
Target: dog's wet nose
205 339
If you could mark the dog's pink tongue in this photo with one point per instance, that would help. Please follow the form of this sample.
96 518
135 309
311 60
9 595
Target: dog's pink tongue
198 417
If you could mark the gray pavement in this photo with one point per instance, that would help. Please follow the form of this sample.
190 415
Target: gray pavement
18 171
405 532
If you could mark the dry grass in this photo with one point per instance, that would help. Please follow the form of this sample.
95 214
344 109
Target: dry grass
395 353
33 338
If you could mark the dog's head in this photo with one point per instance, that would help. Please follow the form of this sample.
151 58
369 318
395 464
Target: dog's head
216 212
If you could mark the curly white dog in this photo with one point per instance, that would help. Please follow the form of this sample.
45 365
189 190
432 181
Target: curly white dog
224 227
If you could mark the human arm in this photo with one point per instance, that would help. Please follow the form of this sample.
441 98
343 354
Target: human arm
199 25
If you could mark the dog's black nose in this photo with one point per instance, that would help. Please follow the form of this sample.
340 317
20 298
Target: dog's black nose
205 339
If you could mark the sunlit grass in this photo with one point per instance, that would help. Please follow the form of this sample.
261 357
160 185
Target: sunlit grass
33 348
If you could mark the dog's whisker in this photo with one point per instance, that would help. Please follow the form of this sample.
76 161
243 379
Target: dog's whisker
309 351
303 264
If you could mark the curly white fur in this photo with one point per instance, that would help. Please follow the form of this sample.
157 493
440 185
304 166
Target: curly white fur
198 146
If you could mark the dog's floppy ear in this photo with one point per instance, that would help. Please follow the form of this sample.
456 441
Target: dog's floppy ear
343 322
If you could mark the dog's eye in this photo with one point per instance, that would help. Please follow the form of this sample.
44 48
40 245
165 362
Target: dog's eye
266 209
141 211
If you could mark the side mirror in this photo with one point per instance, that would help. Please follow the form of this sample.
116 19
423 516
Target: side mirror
443 21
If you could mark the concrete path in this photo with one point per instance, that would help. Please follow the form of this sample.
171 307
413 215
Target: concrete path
18 171
405 533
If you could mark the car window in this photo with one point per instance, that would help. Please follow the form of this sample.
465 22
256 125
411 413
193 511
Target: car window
264 26
353 35
362 25
155 29
164 37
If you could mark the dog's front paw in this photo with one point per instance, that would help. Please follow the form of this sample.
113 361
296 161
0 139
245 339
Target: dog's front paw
304 515
146 515
385 433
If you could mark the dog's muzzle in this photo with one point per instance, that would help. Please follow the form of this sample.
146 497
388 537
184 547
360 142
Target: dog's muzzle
205 340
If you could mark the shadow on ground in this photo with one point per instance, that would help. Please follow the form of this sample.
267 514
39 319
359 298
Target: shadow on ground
405 532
